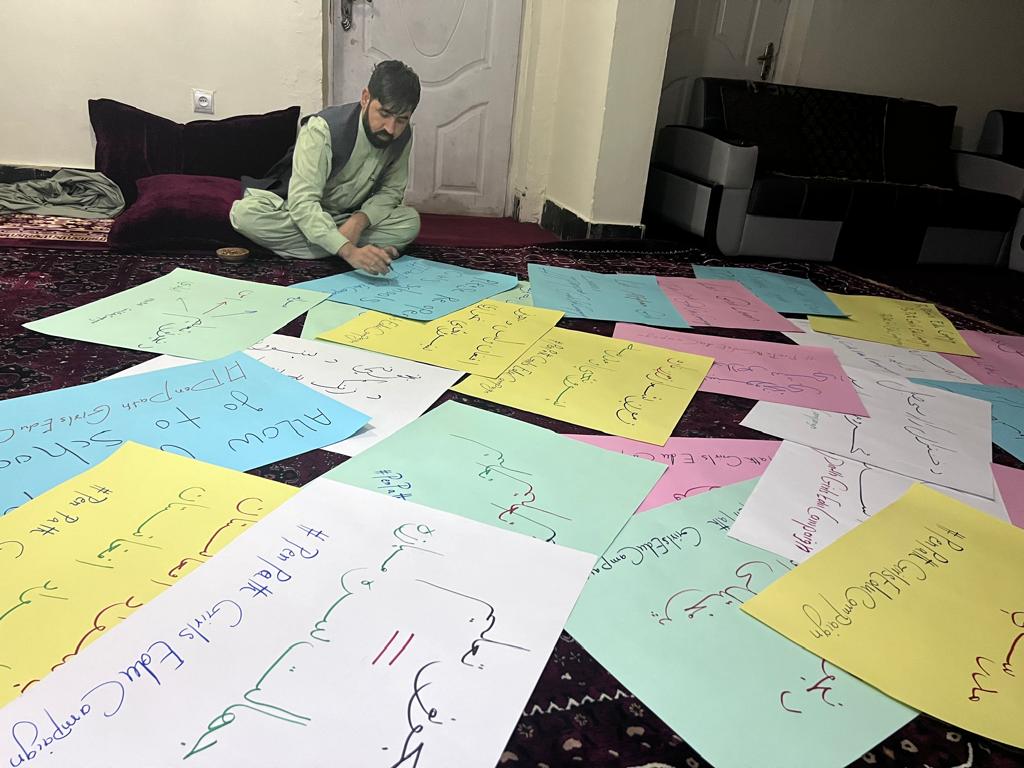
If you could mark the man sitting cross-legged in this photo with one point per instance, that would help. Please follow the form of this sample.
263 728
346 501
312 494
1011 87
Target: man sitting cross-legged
339 190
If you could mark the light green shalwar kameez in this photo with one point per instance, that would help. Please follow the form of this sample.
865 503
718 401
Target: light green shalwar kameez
305 226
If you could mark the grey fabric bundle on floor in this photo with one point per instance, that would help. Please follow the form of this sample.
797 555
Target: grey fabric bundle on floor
74 193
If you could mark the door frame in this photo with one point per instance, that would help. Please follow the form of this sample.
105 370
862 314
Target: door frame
794 41
326 52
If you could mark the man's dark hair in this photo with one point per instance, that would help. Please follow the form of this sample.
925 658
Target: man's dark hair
395 86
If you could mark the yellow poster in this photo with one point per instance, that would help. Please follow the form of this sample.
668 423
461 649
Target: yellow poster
485 338
86 554
925 602
617 386
910 324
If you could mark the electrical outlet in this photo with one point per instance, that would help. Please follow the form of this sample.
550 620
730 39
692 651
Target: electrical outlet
202 101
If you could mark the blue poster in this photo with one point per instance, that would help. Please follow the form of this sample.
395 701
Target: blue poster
1007 411
596 296
234 412
783 293
415 288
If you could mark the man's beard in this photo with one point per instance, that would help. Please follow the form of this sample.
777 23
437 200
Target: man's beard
380 139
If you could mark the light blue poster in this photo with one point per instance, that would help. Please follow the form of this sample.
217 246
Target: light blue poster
595 296
1007 411
661 611
783 293
234 412
419 289
507 473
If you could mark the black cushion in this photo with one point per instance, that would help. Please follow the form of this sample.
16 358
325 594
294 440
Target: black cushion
873 203
917 143
842 133
816 132
765 115
841 200
801 131
792 197
973 209
132 144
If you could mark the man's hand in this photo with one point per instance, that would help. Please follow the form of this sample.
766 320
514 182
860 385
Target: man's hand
369 258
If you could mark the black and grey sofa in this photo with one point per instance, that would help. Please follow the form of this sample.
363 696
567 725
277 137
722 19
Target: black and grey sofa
804 173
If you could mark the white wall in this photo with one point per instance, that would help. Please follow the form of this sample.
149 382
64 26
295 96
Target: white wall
533 120
257 55
631 110
586 102
587 38
964 52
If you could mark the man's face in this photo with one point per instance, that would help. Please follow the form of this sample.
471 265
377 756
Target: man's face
382 125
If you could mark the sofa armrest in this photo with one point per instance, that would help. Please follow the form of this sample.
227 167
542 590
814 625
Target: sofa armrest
989 174
697 154
1002 134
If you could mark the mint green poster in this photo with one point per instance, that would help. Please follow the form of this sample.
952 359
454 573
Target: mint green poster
184 313
326 317
661 611
507 473
521 294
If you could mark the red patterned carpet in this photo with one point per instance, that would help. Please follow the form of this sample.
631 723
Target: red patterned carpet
28 230
479 232
579 714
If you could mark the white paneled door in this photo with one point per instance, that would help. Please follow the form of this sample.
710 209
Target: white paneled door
719 38
466 54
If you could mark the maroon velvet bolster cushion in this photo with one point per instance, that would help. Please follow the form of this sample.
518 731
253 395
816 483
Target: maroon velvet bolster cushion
132 144
180 211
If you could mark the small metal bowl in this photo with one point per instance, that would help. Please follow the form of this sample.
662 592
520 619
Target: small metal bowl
234 255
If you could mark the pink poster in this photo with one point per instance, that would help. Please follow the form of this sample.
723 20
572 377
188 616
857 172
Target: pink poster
1011 488
1000 361
695 464
808 377
722 304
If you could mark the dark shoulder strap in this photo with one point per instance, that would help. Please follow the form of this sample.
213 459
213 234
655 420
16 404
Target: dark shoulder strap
343 122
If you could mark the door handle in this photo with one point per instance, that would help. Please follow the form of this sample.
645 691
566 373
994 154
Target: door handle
346 13
767 59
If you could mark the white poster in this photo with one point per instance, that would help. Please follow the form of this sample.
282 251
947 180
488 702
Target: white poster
346 628
808 498
915 430
882 359
392 391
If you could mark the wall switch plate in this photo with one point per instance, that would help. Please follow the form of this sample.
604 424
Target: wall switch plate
202 101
